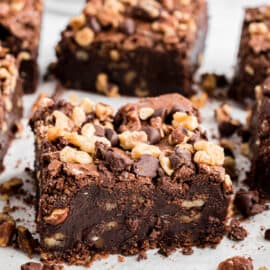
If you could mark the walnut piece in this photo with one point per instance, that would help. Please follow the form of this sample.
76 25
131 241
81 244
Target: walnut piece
129 139
84 37
55 240
187 121
103 111
145 113
208 153
57 216
78 116
61 121
69 154
145 149
166 164
193 203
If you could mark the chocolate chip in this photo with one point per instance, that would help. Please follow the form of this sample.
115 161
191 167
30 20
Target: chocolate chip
147 166
100 132
181 158
236 263
267 235
248 203
128 26
153 134
112 136
118 161
236 232
161 112
178 135
32 266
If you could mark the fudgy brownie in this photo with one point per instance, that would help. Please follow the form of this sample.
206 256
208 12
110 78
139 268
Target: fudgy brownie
144 178
20 25
10 101
260 142
133 47
254 54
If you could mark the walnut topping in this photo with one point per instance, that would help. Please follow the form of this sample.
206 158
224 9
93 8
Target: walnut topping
228 187
78 116
145 113
57 216
77 22
130 139
69 154
103 111
87 105
166 164
17 5
258 28
187 121
145 149
53 133
84 37
114 55
55 240
249 70
193 203
208 153
88 130
103 86
61 120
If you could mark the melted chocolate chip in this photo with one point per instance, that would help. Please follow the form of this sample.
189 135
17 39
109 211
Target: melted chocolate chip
112 136
153 134
118 161
128 26
178 135
146 166
181 158
267 235
100 132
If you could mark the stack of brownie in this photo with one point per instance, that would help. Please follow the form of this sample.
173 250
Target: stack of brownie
142 178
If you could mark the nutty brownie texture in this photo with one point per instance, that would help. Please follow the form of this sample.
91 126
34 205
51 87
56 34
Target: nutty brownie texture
236 263
143 178
10 101
254 54
134 47
259 143
20 25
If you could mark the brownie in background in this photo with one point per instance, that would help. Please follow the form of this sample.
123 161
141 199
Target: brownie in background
135 48
254 54
10 101
20 25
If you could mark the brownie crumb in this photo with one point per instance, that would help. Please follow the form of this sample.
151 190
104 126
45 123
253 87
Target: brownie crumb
236 263
248 203
7 229
11 186
187 251
236 232
227 126
120 259
39 266
209 82
267 235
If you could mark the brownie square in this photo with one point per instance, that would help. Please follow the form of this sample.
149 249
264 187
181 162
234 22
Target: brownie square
260 142
10 101
143 178
254 54
134 48
20 25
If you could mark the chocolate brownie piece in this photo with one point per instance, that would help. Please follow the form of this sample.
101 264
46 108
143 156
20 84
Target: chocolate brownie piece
254 54
20 25
135 48
10 101
145 177
260 141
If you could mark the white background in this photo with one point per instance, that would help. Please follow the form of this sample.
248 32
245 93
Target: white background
222 45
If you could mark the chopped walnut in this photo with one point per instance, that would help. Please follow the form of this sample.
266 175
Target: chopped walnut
55 240
145 149
77 22
61 121
187 121
145 113
84 37
193 203
54 133
166 164
130 139
87 105
88 130
103 111
57 216
258 28
78 116
208 153
69 154
7 228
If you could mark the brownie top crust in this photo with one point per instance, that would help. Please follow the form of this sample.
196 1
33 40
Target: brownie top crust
257 30
138 23
20 21
148 141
